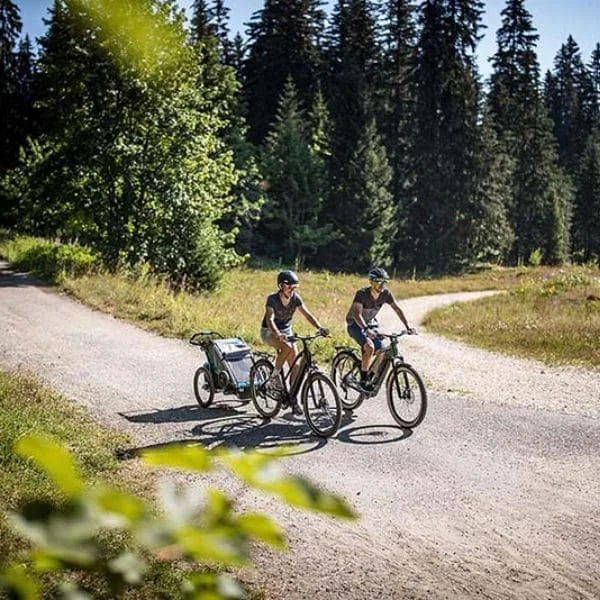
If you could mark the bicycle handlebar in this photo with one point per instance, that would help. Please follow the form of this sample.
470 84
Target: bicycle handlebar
199 338
304 338
398 334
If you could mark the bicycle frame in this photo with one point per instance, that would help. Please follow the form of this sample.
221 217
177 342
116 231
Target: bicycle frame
304 358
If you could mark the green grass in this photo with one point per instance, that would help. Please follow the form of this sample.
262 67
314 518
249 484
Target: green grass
559 327
27 407
552 316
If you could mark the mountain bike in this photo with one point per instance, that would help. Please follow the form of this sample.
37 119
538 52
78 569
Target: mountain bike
406 394
320 401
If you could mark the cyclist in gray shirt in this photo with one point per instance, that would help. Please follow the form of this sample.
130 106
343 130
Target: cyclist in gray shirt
276 326
361 321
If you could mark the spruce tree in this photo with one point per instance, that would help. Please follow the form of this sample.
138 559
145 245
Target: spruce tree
587 202
540 208
291 162
442 217
283 41
569 97
10 31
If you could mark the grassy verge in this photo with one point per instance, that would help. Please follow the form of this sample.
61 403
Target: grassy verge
517 323
552 316
26 407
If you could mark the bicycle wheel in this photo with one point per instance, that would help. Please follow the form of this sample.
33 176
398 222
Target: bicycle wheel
266 403
204 387
345 374
321 404
406 396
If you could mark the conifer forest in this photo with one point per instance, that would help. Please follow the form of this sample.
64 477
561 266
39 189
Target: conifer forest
320 139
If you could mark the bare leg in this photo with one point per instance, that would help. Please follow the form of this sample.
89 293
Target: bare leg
367 355
378 360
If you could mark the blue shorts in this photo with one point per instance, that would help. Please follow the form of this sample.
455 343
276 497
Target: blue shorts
356 333
266 335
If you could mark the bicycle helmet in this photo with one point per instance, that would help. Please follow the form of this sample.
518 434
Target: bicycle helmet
288 277
379 273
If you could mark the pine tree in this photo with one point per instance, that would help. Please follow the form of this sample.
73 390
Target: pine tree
594 71
540 208
282 42
442 215
587 203
569 98
291 163
200 22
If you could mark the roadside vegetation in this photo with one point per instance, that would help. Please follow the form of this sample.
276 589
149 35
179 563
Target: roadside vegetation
552 314
74 521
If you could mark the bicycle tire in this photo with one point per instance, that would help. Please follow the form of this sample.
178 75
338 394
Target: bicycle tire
205 393
318 392
346 364
403 385
266 404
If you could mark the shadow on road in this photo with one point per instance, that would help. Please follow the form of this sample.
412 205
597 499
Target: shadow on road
374 434
10 278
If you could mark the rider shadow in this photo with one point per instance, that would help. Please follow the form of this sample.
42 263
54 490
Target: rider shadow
368 435
250 432
227 427
192 412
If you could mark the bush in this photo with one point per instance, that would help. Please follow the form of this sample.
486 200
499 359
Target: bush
49 260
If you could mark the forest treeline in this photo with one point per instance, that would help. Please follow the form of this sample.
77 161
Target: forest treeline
336 141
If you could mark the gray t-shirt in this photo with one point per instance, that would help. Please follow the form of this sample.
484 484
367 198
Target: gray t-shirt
371 306
283 314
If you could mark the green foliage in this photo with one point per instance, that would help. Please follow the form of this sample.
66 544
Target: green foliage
292 163
49 260
135 164
535 258
66 535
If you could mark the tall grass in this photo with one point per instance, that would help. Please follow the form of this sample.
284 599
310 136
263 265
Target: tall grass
26 407
529 321
554 318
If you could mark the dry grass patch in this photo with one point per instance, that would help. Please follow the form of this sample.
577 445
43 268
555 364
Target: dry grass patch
552 316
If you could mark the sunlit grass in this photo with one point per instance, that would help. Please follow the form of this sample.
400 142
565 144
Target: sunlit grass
553 317
237 308
27 407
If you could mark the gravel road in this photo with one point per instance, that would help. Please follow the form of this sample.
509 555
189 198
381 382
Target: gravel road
495 495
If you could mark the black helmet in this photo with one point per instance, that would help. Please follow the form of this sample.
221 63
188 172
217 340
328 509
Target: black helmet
379 273
288 277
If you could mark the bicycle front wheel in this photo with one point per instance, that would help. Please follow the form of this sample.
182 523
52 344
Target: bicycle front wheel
345 374
266 402
406 396
321 404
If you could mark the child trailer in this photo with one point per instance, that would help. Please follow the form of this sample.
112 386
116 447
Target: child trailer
226 369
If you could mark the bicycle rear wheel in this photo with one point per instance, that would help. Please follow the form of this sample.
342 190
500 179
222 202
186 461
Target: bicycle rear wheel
345 374
406 396
321 404
204 387
266 403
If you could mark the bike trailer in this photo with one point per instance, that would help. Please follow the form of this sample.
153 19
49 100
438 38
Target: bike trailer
231 360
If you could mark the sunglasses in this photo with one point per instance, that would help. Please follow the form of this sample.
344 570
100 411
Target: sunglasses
292 286
379 281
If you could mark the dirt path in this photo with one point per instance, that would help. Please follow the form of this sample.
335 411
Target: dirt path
495 495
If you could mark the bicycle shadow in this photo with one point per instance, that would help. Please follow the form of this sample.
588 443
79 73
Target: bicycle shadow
232 426
368 435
